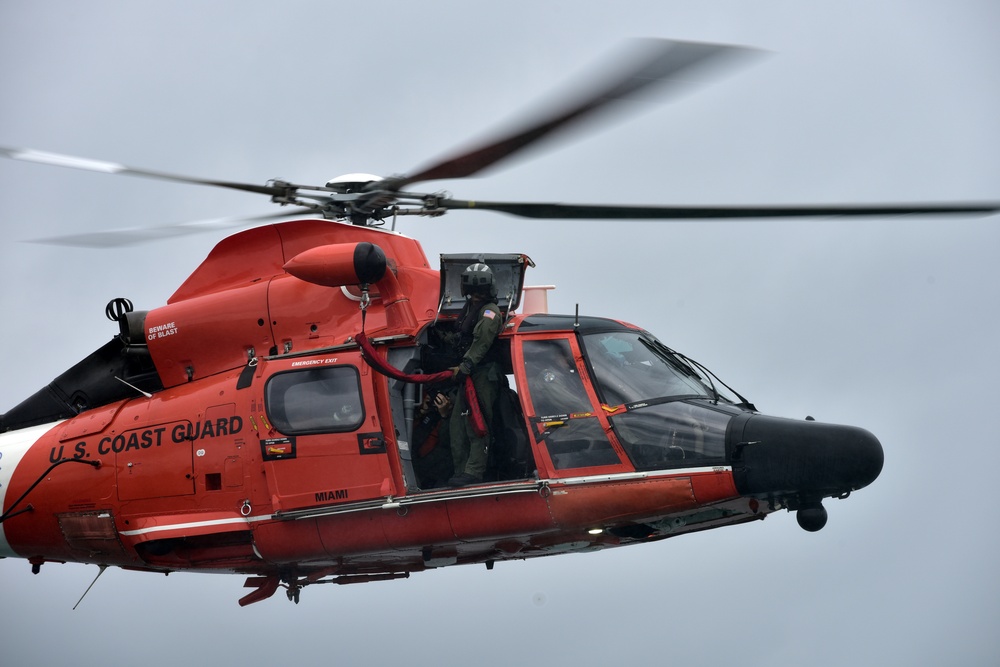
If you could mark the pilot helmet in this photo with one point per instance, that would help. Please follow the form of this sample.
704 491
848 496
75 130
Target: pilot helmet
478 279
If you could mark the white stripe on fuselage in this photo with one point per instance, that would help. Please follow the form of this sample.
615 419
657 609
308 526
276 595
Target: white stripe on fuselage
13 447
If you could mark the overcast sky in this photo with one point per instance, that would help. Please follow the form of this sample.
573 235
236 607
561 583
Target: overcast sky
885 323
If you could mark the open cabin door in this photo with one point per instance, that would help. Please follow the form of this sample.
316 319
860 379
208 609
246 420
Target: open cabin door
321 436
508 272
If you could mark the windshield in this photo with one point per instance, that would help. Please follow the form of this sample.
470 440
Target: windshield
629 367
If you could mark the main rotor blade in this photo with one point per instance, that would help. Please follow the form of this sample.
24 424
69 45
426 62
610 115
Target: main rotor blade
655 62
116 238
59 160
598 212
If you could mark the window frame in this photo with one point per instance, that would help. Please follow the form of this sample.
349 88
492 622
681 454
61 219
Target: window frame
280 422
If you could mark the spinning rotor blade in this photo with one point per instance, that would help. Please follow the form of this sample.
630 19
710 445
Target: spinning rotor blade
587 212
657 62
59 160
654 63
116 238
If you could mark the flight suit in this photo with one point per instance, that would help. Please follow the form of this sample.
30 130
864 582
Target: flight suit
432 460
480 362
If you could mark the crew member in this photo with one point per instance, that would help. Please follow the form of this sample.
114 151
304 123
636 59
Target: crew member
432 460
479 324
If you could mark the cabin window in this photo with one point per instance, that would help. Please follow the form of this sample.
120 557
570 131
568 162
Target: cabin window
317 400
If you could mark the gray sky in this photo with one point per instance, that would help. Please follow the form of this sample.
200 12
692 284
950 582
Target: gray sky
888 324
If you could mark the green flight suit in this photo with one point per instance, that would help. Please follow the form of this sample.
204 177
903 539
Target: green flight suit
480 363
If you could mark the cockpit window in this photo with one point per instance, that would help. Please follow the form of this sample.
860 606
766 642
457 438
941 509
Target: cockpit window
629 367
573 434
556 388
674 434
317 400
667 424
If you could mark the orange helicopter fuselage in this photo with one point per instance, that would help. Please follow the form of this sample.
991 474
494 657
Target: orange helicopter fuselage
228 465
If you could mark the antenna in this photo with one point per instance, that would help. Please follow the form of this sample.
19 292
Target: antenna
132 386
103 568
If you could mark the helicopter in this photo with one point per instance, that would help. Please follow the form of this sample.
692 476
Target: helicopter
264 421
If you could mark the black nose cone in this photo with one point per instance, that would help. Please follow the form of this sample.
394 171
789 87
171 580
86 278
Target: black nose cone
804 460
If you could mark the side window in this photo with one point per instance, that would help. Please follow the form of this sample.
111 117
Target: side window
553 381
317 400
575 439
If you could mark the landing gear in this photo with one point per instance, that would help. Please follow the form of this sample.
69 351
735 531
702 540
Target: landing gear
267 585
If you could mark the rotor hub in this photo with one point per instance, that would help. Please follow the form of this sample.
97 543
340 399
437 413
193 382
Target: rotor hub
349 183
